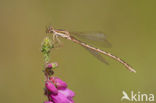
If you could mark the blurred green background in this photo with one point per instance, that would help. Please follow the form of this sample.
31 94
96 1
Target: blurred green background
130 26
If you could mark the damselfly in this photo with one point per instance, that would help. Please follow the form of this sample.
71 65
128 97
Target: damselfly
65 34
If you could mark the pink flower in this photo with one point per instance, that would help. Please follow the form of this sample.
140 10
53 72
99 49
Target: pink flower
59 83
67 92
60 98
58 92
51 88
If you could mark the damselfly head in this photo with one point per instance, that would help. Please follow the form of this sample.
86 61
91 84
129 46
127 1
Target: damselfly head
49 29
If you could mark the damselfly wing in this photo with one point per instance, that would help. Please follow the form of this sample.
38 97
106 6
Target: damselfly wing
93 38
97 55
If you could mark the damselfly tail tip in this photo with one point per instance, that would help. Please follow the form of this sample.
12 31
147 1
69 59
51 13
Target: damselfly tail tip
132 70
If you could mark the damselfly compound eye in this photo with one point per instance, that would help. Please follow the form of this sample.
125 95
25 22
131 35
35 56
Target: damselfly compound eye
49 29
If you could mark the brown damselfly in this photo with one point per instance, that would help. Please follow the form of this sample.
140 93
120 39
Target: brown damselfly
95 51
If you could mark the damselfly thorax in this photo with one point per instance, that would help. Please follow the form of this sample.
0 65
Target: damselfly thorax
94 51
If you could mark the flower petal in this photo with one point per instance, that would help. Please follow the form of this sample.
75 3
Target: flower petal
51 87
67 92
59 83
60 98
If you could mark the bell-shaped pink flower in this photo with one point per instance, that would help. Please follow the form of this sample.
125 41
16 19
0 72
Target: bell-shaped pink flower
51 87
57 91
67 92
60 98
59 83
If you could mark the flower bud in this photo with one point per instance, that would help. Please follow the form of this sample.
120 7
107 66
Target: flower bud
46 45
52 65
